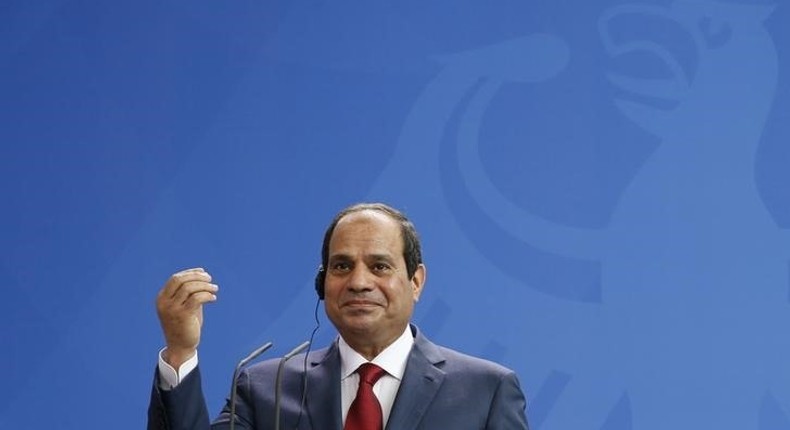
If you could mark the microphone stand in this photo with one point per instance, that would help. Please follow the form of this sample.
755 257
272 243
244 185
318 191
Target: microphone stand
233 384
278 380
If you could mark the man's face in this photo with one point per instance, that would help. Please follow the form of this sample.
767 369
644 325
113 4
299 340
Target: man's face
369 296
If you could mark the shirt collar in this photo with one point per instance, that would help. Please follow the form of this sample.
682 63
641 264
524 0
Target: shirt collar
392 359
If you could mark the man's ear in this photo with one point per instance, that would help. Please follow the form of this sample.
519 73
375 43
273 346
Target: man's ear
417 281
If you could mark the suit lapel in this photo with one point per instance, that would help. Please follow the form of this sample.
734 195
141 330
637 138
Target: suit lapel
421 382
323 390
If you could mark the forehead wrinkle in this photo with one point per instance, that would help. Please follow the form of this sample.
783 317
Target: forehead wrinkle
351 243
373 256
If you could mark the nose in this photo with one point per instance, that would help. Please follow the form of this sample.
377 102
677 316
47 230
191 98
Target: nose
360 279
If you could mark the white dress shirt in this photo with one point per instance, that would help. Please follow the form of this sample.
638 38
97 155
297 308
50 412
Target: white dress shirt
392 360
169 377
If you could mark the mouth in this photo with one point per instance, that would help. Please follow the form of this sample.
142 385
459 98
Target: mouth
360 304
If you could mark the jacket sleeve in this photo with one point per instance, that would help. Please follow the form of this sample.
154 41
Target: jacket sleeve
508 406
182 408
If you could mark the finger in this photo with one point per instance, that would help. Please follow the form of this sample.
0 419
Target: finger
177 280
191 270
195 300
191 275
191 287
165 303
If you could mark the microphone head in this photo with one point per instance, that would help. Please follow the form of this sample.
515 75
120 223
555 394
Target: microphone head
254 354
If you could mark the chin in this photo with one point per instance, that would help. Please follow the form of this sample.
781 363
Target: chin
359 324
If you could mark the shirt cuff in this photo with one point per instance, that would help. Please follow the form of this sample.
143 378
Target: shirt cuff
169 377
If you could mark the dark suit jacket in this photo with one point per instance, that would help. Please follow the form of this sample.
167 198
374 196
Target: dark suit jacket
441 389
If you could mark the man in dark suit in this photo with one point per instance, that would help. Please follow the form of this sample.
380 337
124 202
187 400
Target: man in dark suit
370 278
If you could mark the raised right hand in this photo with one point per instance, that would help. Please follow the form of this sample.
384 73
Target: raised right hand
180 309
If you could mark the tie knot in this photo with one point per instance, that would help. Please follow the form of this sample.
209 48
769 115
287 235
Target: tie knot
370 373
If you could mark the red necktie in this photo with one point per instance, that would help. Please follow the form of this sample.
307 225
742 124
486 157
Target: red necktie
365 411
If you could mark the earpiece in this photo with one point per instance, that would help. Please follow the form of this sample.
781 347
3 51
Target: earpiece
320 277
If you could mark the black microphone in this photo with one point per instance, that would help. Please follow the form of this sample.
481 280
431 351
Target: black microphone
278 380
239 366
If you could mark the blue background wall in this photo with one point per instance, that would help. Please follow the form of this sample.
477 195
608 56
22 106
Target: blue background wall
601 187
